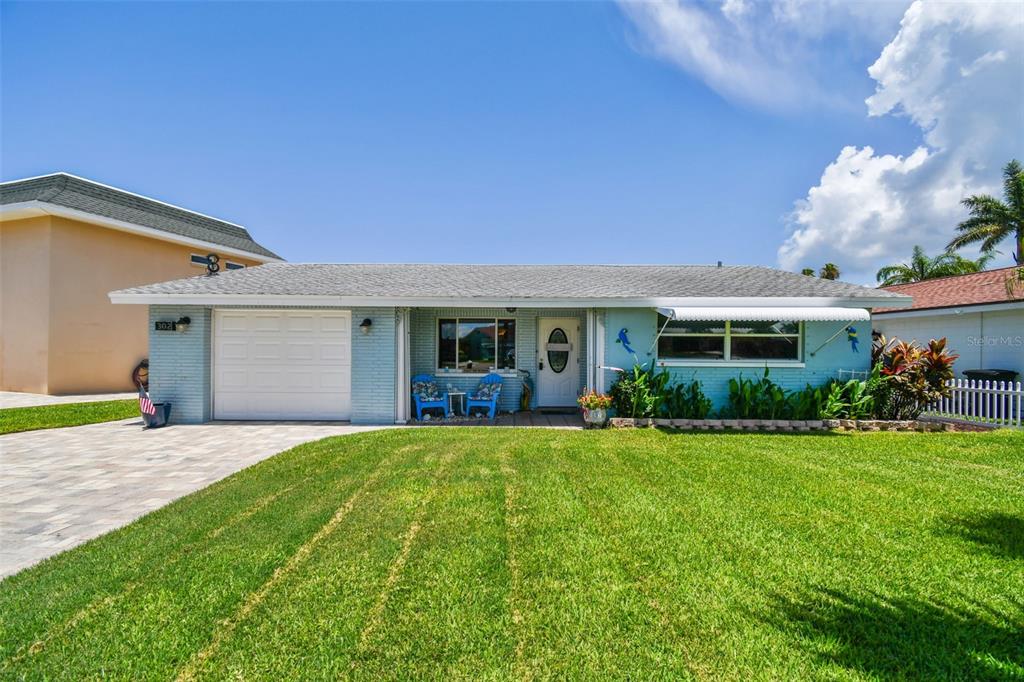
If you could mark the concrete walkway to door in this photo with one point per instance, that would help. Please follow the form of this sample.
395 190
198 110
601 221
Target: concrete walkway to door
61 487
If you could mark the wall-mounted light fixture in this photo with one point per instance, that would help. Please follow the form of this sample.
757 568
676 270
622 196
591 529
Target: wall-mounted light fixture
510 310
365 325
182 324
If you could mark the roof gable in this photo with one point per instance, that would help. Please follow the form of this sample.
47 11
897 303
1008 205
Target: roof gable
79 194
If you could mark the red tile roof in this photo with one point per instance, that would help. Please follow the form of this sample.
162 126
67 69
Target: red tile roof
961 290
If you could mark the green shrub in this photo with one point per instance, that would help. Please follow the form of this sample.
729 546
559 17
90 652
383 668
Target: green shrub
639 394
686 401
761 399
808 403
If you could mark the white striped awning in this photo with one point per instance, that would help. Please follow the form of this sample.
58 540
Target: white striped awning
790 314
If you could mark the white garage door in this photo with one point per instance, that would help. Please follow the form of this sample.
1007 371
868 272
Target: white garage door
282 364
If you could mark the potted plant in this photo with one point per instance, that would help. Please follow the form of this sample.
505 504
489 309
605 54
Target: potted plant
595 408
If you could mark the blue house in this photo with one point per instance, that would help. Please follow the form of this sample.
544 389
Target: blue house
342 341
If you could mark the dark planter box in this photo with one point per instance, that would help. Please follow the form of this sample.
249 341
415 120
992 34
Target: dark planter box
155 421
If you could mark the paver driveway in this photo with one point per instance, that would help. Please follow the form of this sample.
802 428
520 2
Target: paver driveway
61 487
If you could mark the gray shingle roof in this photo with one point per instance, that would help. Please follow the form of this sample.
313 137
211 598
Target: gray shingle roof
84 195
510 282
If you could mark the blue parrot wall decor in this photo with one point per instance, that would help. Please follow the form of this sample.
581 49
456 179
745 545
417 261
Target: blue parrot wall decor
851 336
624 340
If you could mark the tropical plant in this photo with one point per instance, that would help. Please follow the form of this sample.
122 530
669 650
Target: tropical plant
923 267
911 378
809 272
807 403
852 399
1014 283
638 394
686 401
761 399
829 271
992 220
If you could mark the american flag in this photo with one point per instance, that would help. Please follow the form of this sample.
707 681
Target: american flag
145 404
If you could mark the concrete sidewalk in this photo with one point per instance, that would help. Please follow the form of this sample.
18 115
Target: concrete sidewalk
14 399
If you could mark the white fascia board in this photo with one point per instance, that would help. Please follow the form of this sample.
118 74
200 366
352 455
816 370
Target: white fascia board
414 302
27 209
951 310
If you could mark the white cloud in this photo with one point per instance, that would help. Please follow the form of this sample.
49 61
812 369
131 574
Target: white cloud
955 70
770 54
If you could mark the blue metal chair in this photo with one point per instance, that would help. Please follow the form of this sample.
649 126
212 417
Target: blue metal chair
486 395
426 395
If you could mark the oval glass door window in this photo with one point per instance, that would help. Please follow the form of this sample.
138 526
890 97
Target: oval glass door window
557 359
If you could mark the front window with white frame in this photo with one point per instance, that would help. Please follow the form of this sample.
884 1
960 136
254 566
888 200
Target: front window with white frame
686 341
476 344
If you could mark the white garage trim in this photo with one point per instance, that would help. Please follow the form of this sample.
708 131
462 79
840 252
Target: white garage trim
281 364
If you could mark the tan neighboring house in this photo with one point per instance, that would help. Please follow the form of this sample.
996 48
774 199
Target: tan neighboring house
65 242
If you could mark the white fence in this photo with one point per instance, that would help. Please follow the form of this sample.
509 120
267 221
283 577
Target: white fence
998 403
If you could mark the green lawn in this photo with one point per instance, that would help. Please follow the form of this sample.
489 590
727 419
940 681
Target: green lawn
505 553
16 419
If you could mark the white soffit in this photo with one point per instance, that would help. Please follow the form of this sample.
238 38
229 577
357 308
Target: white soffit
813 314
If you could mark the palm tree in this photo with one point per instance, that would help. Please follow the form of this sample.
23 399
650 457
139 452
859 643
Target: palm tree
922 267
992 220
829 271
808 272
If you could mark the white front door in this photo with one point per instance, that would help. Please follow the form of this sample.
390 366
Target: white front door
282 364
558 369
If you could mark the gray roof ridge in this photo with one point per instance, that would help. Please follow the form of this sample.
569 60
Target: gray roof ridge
532 265
64 175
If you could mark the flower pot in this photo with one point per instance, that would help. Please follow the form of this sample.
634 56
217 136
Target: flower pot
596 417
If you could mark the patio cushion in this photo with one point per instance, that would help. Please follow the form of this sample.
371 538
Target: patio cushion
486 391
426 390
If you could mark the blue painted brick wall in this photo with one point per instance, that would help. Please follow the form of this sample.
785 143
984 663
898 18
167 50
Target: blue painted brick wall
373 367
836 355
179 363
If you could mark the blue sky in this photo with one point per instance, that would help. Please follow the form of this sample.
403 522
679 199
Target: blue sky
454 132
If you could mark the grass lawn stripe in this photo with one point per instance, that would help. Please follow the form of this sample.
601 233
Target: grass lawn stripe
281 573
309 625
583 616
447 615
513 528
620 513
373 621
